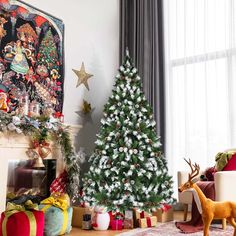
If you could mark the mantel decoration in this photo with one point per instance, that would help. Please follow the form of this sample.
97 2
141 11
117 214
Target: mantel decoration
43 129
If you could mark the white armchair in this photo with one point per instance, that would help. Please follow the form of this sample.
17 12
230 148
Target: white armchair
224 182
224 190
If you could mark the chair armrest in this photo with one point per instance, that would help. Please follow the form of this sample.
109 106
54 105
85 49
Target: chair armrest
224 185
182 177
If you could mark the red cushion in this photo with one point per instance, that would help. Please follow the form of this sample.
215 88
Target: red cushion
231 165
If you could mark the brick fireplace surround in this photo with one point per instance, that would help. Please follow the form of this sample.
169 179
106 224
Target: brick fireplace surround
14 147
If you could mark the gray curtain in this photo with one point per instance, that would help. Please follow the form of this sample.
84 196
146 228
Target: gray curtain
141 30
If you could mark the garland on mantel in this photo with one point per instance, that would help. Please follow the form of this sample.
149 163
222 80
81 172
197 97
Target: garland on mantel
44 128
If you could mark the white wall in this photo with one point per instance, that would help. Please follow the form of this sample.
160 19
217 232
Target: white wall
92 37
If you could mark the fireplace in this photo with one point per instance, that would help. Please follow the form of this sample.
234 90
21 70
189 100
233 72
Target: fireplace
14 147
24 178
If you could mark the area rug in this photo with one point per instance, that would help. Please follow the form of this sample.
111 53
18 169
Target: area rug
169 229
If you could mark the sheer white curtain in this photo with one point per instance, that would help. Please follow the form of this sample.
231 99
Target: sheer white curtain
200 80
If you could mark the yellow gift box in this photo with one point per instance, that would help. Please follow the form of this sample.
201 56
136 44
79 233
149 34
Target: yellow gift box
148 222
78 213
139 215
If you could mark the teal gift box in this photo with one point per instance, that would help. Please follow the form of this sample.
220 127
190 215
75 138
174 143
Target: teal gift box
58 216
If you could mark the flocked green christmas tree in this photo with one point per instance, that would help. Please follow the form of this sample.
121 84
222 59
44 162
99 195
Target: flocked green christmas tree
128 168
48 52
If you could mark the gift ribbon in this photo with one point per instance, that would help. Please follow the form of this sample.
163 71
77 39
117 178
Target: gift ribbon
149 222
14 208
117 224
142 214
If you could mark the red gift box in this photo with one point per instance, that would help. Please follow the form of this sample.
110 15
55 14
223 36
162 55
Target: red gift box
22 223
115 216
116 224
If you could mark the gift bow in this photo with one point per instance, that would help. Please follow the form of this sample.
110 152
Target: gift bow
60 202
29 205
165 207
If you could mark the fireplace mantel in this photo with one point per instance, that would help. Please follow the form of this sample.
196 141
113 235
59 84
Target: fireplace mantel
14 146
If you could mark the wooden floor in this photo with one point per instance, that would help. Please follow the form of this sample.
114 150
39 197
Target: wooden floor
178 215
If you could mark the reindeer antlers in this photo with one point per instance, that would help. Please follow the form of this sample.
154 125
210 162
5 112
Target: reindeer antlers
195 168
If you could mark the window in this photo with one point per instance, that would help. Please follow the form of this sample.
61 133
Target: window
200 80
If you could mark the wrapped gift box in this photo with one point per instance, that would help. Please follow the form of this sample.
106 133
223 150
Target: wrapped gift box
129 214
58 215
128 223
148 222
164 216
115 216
22 223
117 224
57 221
78 213
139 215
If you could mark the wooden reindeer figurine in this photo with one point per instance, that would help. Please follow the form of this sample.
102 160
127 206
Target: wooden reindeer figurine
210 209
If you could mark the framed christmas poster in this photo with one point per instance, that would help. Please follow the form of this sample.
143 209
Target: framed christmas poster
31 60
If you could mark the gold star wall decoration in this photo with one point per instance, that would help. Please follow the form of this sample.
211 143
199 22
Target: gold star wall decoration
83 76
86 113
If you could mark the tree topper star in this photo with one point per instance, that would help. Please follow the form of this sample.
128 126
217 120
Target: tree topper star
83 76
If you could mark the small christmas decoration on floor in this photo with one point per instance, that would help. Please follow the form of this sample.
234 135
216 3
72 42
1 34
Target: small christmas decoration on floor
128 168
101 218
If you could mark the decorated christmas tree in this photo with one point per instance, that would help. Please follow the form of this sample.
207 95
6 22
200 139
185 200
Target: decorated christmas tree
47 54
128 168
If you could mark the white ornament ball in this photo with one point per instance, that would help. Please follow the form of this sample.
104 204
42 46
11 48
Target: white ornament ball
135 151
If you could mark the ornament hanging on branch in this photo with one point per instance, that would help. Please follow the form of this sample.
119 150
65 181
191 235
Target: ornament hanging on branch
83 76
86 112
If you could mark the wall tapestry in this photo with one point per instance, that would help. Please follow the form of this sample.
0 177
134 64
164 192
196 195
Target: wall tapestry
31 60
